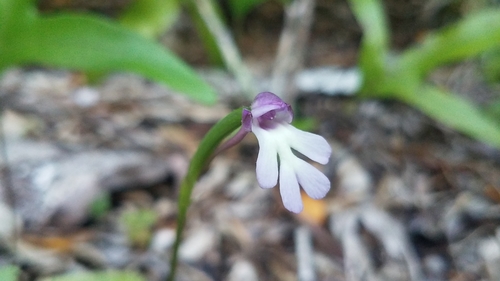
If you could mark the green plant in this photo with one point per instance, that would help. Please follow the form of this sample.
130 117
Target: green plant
268 118
100 206
403 76
9 273
92 44
138 225
240 9
150 17
224 128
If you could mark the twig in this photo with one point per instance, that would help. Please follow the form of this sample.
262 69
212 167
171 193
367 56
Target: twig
304 252
227 46
357 264
394 238
290 57
7 181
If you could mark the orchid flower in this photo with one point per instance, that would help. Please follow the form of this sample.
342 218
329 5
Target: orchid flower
269 119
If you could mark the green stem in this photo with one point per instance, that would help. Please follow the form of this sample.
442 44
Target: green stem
200 160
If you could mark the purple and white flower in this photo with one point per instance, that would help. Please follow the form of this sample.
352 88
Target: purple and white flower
269 119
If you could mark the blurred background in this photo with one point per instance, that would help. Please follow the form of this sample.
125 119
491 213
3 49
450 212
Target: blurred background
103 103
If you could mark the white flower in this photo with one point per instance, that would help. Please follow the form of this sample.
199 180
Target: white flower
269 119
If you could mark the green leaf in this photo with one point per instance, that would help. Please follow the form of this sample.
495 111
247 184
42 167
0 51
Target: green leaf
138 224
89 43
471 36
9 273
14 11
305 123
240 8
15 16
371 17
456 113
100 206
493 109
98 276
490 64
150 18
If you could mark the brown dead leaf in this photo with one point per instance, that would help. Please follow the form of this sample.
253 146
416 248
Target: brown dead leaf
58 243
180 137
493 193
315 211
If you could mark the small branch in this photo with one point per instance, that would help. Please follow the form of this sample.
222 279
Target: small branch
291 49
305 254
227 46
7 181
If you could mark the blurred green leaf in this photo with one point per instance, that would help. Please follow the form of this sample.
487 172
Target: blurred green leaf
490 63
9 273
241 8
150 18
89 43
401 77
138 224
493 109
15 16
373 54
95 45
456 113
98 276
100 206
305 123
474 34
14 11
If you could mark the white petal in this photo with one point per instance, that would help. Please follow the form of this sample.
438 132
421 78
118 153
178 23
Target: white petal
314 183
311 145
289 189
267 160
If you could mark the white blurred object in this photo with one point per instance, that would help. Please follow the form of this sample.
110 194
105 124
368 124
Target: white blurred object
10 224
353 179
162 240
489 249
330 80
86 97
243 270
305 254
196 245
